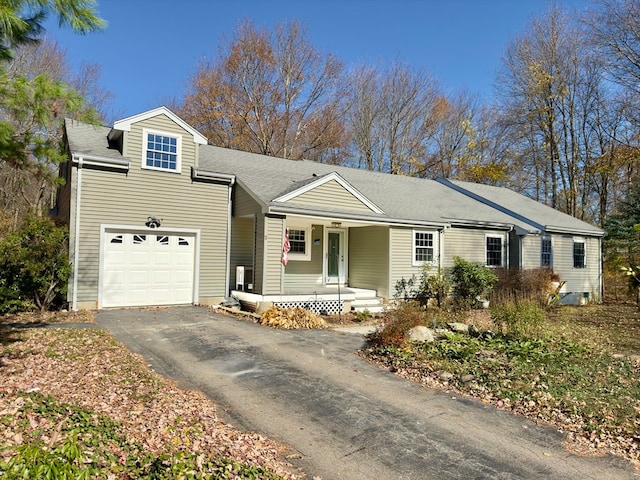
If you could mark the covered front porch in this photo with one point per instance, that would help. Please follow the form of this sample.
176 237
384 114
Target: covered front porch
331 264
327 300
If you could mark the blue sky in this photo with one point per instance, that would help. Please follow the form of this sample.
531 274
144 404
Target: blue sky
151 47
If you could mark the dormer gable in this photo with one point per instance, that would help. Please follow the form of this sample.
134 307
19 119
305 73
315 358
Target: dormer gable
125 124
159 140
330 191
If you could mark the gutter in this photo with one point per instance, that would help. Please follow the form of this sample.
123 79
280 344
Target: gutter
462 222
98 161
574 231
400 222
207 176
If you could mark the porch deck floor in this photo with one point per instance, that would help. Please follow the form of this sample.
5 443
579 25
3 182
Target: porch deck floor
330 290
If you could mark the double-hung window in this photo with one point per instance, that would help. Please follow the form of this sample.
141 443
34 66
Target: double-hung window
424 247
299 243
494 251
546 253
579 253
161 151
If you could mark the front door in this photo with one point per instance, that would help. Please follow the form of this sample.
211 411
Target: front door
336 256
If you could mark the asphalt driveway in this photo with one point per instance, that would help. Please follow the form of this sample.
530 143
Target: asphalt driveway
344 418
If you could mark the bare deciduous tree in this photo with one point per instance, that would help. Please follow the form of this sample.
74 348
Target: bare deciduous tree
552 91
269 93
392 117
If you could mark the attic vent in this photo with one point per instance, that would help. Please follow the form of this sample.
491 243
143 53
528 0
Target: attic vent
315 175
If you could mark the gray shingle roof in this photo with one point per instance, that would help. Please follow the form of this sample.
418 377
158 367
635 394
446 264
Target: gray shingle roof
402 199
516 204
90 140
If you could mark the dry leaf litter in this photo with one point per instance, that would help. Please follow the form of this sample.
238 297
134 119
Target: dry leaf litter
89 369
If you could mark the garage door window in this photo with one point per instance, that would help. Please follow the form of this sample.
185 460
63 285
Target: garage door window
162 239
139 239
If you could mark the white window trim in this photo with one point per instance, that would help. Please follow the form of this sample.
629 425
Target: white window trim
436 250
550 238
583 242
303 257
145 140
503 252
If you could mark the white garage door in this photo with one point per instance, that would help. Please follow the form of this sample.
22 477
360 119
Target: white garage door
141 269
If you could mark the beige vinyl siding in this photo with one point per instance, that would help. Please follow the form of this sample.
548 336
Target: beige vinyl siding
299 274
369 259
469 244
273 271
243 203
242 241
578 280
115 198
135 145
401 262
330 195
259 260
128 198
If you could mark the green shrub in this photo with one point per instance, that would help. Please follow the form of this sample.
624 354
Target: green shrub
518 319
34 267
471 282
435 285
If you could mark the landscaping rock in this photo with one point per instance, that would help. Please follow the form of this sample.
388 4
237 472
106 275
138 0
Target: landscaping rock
445 375
421 334
467 378
458 327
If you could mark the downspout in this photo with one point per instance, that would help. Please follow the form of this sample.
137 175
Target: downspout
441 250
228 260
76 236
600 273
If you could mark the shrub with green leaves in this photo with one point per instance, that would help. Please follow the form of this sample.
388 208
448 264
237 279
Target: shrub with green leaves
435 285
471 282
34 266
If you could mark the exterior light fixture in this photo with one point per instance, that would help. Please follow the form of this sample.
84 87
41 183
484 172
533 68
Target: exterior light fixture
153 222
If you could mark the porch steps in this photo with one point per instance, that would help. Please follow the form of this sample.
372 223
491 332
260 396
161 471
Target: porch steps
370 304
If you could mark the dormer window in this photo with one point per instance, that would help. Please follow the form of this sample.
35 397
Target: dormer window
161 151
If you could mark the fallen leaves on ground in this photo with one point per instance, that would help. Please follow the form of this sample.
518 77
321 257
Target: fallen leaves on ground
87 368
291 318
610 334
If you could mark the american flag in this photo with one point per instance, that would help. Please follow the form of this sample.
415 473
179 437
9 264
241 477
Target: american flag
286 248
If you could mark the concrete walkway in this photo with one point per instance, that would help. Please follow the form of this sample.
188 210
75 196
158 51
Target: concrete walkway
345 418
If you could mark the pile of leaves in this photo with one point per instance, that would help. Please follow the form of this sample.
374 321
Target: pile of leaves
291 318
557 378
74 403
